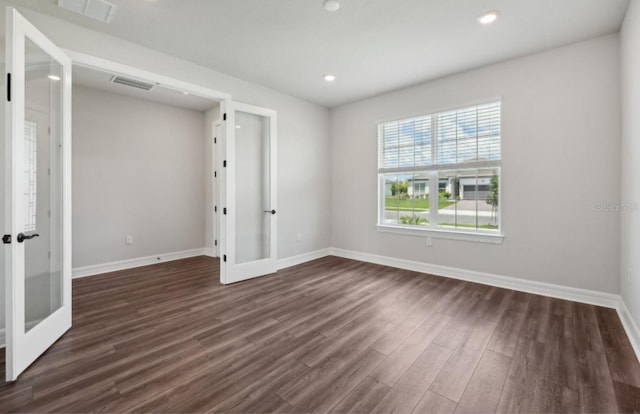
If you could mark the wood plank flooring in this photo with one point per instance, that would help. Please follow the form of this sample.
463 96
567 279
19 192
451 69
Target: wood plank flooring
332 335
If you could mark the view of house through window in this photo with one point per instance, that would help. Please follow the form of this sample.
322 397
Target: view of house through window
442 171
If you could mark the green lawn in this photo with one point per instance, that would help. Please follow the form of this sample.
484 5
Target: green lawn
392 203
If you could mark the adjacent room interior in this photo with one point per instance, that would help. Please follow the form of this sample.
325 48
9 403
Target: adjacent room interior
348 206
141 151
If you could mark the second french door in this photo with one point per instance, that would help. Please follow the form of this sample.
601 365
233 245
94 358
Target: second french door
249 204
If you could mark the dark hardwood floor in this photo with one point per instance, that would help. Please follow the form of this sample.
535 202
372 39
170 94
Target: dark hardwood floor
332 335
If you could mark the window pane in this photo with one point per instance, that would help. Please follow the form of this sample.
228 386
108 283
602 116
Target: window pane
471 201
405 144
422 135
447 138
469 134
489 132
30 174
389 145
406 199
390 215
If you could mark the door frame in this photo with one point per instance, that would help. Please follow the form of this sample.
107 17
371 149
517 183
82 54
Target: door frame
226 103
105 65
217 127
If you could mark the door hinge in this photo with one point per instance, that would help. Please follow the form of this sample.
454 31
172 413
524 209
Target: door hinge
224 211
8 87
224 117
215 242
215 174
215 140
6 239
215 209
224 163
224 258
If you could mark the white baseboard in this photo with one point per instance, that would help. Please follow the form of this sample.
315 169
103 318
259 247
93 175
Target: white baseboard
303 258
144 261
539 288
208 251
137 262
630 326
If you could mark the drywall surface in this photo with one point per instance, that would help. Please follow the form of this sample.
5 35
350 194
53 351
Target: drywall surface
303 128
630 163
560 162
138 169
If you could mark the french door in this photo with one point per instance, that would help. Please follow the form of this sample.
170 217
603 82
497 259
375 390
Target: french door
37 172
249 216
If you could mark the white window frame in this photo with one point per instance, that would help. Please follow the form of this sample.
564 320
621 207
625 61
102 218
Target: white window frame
31 175
433 229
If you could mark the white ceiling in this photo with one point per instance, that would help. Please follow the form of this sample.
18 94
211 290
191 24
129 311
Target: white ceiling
102 81
373 46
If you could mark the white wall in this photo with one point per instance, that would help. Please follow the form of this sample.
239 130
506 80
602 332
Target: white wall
561 151
630 219
138 169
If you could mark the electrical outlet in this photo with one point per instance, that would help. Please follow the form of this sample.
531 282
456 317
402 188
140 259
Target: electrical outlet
128 240
429 242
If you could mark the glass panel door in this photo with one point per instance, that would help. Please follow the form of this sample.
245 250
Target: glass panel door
38 170
249 232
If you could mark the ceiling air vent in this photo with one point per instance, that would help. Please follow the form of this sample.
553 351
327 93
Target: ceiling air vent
134 83
96 9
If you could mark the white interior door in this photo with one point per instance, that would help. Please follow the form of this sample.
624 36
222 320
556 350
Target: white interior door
38 194
249 205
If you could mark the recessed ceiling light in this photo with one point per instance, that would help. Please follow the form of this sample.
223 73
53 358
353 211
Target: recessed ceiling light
329 77
331 5
54 77
489 17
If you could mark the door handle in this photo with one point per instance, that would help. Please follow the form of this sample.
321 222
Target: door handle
270 211
22 237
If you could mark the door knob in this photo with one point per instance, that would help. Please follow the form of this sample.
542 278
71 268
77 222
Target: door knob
22 237
270 211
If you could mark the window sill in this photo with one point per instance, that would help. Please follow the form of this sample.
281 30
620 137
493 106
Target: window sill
480 237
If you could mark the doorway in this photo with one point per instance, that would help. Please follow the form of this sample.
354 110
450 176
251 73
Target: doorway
143 177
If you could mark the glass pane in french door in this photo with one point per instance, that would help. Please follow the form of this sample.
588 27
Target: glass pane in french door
42 185
252 166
